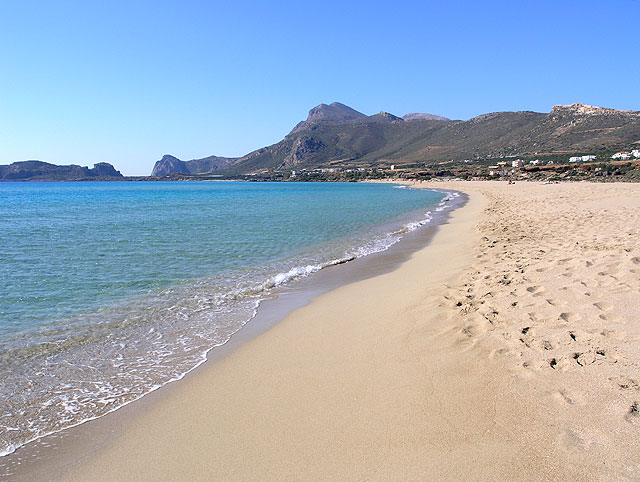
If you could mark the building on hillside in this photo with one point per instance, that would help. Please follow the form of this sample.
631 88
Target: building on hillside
393 167
534 163
588 158
517 163
575 159
502 163
623 155
636 153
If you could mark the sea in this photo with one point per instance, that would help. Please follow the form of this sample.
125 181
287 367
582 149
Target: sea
110 290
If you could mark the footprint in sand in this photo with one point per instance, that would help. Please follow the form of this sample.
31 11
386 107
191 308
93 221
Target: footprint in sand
611 317
633 415
613 334
625 383
603 306
554 363
569 317
500 352
571 440
536 290
585 359
564 260
565 396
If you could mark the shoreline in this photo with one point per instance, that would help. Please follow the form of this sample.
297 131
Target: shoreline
238 365
78 440
508 348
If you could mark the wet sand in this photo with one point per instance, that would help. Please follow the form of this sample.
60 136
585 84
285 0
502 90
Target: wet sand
506 349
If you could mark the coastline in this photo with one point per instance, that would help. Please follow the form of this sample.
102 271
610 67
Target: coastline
18 428
288 376
50 454
429 370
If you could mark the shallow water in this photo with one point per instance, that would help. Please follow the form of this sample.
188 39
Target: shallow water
110 290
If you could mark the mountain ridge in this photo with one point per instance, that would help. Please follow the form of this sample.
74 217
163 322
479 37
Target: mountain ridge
424 116
172 165
337 135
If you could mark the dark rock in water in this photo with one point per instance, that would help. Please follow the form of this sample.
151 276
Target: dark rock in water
44 171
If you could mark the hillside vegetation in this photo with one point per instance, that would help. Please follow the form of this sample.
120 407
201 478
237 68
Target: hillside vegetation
337 136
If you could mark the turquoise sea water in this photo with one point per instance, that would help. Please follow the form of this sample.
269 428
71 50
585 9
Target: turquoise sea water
110 290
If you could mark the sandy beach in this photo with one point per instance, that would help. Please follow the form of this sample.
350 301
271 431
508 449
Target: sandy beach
507 349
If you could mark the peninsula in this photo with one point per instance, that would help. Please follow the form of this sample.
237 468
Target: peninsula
44 171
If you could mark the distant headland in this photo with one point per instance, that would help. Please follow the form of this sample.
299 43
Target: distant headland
44 171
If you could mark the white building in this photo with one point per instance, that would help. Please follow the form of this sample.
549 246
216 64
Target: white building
621 155
535 163
517 163
393 167
588 158
636 153
575 159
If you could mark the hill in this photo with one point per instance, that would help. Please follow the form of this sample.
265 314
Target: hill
329 114
172 165
44 171
422 116
336 135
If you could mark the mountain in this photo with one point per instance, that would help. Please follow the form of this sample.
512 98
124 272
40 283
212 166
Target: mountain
383 116
168 165
44 171
172 165
329 114
422 116
338 136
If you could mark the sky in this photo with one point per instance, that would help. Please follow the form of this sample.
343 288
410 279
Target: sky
126 82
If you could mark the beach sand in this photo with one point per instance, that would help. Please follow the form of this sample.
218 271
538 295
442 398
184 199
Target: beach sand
506 349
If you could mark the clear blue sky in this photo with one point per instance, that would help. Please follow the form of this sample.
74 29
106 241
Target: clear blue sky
126 82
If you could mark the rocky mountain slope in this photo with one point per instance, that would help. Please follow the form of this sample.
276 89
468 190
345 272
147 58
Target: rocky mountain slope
419 116
44 171
336 135
172 165
329 114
